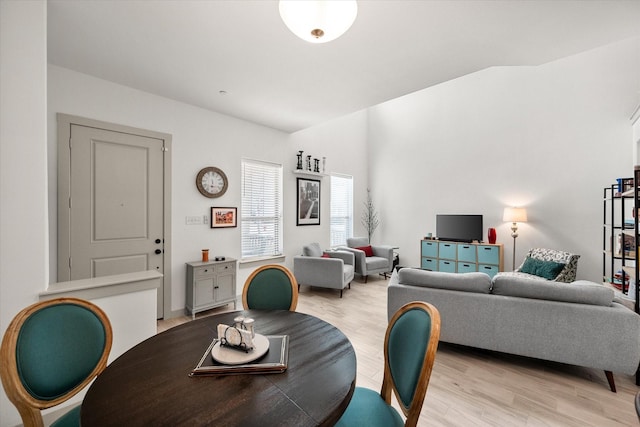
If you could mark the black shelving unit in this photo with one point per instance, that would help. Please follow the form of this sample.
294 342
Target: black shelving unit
617 254
636 209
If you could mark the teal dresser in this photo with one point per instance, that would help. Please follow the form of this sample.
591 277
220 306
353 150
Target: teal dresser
456 257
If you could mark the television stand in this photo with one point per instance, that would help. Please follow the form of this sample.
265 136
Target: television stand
460 257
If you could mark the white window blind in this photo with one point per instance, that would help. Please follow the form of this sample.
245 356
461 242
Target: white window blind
261 209
341 209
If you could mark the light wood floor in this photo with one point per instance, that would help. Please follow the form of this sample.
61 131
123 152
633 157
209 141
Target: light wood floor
471 387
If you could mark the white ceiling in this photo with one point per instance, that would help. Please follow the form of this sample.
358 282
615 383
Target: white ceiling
191 50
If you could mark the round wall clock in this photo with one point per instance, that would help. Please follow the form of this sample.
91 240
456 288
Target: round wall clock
211 182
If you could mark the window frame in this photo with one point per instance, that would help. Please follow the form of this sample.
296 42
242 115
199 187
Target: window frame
272 211
335 215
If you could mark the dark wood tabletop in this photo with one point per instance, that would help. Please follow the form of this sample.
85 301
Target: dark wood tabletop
149 385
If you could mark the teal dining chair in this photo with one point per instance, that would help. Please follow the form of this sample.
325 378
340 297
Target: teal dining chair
270 287
50 351
410 345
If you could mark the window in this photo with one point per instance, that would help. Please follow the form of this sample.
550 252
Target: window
261 209
341 209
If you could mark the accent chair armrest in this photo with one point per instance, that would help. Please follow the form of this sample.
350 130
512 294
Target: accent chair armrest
346 256
359 257
384 251
317 271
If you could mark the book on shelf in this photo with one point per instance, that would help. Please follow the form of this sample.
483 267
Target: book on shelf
625 245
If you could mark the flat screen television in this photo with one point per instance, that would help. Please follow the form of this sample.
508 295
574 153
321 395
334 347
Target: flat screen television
459 228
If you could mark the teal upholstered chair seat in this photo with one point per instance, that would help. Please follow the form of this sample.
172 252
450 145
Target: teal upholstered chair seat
270 287
410 347
51 351
368 408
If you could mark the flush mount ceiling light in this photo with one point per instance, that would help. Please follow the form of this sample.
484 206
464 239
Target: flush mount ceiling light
318 21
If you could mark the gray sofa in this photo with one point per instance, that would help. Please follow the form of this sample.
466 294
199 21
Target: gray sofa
577 323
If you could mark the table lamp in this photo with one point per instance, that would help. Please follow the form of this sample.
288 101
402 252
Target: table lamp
514 215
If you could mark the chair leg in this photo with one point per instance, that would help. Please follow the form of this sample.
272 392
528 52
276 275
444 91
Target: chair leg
340 293
612 383
349 285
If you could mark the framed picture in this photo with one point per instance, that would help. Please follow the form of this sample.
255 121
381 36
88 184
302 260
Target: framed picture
224 217
308 212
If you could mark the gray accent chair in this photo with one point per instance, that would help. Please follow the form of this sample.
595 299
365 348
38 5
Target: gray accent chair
380 262
335 272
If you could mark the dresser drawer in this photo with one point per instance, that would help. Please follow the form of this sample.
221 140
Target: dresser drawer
466 267
447 266
488 255
466 253
491 270
203 272
429 249
447 250
430 264
221 268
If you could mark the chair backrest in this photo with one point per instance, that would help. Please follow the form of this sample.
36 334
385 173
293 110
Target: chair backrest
50 351
312 249
270 287
410 346
357 242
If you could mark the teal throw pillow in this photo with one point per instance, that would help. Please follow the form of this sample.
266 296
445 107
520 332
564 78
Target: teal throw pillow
546 269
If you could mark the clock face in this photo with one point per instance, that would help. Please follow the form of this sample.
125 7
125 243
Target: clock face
211 182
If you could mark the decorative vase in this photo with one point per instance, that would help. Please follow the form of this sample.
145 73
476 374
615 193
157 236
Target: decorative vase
492 236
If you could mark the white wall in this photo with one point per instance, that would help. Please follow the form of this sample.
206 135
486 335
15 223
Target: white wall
23 167
202 138
548 138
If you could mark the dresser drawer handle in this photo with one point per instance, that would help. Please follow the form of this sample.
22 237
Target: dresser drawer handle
488 249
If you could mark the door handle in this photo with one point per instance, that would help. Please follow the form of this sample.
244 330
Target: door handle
158 251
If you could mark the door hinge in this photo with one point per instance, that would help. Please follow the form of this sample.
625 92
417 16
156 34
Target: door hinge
70 144
69 262
69 202
165 149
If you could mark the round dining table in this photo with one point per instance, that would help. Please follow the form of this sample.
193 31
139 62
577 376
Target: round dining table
150 384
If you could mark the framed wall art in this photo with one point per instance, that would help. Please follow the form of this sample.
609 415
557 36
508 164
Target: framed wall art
308 209
224 217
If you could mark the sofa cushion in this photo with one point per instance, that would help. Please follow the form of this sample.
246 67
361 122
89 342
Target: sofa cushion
546 269
465 282
580 291
312 249
368 250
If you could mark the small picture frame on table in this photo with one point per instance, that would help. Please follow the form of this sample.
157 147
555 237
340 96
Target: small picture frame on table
224 217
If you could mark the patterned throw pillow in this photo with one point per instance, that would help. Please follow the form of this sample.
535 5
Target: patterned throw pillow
568 273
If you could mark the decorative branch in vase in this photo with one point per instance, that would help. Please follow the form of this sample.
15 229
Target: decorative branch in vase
370 219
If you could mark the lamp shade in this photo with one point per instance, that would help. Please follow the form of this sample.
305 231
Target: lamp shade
514 215
318 21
